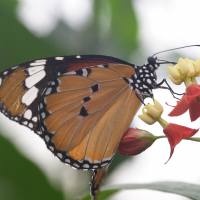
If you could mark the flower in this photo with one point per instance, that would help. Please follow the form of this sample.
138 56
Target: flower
196 66
190 100
152 113
185 71
135 141
175 133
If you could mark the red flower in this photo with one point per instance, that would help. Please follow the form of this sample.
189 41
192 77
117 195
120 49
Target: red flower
190 100
135 141
175 133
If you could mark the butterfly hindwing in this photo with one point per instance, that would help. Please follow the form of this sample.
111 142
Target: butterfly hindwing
85 112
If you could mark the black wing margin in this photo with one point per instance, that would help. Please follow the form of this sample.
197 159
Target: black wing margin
22 86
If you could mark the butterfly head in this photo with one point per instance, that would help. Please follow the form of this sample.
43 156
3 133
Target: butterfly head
152 63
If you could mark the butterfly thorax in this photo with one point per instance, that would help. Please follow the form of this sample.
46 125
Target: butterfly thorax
144 80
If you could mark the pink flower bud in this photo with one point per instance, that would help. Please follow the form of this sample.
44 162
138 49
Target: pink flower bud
135 141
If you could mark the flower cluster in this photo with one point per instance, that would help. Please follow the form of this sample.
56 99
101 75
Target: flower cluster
136 141
185 71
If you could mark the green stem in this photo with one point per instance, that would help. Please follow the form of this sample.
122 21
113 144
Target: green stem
187 82
158 137
162 122
196 139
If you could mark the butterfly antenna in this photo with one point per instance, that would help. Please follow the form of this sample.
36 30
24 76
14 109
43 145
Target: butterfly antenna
166 62
176 49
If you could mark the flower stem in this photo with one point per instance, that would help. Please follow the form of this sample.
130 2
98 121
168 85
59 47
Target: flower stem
187 82
162 122
196 139
158 137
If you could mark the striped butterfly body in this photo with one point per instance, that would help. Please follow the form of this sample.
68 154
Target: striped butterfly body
80 105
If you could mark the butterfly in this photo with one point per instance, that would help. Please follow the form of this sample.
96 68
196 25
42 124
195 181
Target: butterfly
79 105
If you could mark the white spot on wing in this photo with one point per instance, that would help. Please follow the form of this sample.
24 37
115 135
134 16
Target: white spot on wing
28 114
5 72
25 122
76 165
59 58
100 66
67 161
14 67
30 96
43 116
86 166
47 138
32 80
0 81
58 89
51 148
30 125
33 70
41 105
78 56
38 63
70 73
60 155
88 159
42 60
85 73
59 81
48 91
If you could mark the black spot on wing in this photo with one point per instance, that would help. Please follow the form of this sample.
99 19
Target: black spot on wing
86 99
83 112
95 88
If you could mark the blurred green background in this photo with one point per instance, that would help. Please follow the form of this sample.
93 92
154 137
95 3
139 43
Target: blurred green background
19 177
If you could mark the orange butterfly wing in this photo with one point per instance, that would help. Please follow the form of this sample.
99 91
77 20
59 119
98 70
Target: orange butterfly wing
86 112
22 86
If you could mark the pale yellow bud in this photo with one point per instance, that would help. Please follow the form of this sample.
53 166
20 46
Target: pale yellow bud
147 119
174 72
158 106
151 113
191 67
183 66
197 67
176 82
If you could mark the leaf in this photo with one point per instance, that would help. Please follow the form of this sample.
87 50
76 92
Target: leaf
189 190
17 44
21 179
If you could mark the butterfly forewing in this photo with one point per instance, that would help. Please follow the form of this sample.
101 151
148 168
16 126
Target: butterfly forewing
22 86
21 90
86 112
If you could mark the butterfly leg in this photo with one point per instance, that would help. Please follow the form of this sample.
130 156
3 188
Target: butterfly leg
168 88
